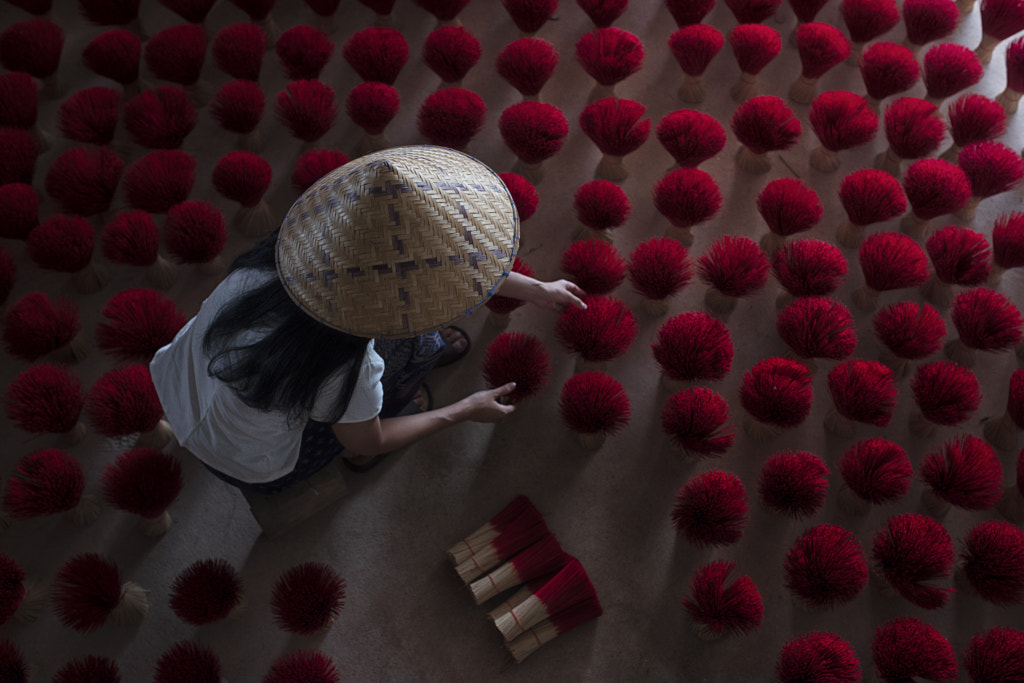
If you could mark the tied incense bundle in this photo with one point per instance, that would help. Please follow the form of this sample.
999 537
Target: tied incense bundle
568 588
517 514
527 531
543 557
547 630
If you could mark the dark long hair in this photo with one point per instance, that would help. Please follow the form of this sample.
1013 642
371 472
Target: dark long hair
284 370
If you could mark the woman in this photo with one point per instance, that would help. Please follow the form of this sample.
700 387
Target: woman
323 332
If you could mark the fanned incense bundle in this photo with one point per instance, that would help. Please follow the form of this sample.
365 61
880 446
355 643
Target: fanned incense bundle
132 238
194 233
18 165
19 105
601 206
841 120
694 47
1000 19
909 331
934 187
825 567
307 598
1014 76
304 52
875 472
177 54
237 107
817 327
245 177
595 265
91 115
160 118
372 106
733 267
995 653
544 556
947 69
973 118
450 52
376 54
776 393
46 399
88 669
569 587
616 128
49 482
993 562
520 513
34 46
1007 245
888 261
688 12
527 64
238 50
64 244
530 15
307 109
303 665
807 268
687 197
888 69
691 137
692 346
788 206
124 401
711 509
206 591
524 195
960 257
963 471
159 180
862 391
821 47
1001 430
144 482
87 592
19 210
695 419
82 180
593 405
451 117
753 46
115 55
604 12
906 648
534 131
817 656
793 483
717 609
911 553
752 11
986 320
609 56
188 660
599 333
913 130
658 268
946 394
517 357
34 327
763 124
992 168
928 20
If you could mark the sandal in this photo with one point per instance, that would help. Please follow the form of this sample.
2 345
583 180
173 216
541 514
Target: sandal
448 354
360 467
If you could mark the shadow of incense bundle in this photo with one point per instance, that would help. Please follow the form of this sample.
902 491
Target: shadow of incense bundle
568 588
543 557
520 533
518 513
547 630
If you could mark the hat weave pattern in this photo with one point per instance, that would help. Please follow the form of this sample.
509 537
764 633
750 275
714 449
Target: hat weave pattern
399 242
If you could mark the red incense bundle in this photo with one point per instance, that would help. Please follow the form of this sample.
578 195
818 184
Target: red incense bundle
888 261
34 327
686 197
137 323
945 393
524 195
19 104
122 402
244 177
314 164
450 52
445 11
87 592
825 567
820 47
595 265
992 561
82 180
325 12
18 164
992 168
500 307
695 419
616 129
875 472
973 118
1000 19
928 20
733 267
519 518
793 483
599 333
658 268
934 187
91 115
906 648
995 655
115 55
964 472
694 47
307 598
1014 76
541 558
527 64
711 509
817 656
534 131
206 591
788 206
911 553
49 482
776 393
517 357
188 660
567 619
192 11
594 406
752 11
13 662
88 669
986 321
307 109
866 20
806 10
609 56
754 46
530 15
376 54
841 120
159 180
568 588
304 52
237 107
692 346
717 609
133 239
688 12
177 54
65 244
1001 430
913 130
160 118
372 106
46 399
601 206
19 210
817 327
1007 245
34 46
909 331
888 69
862 391
238 50
763 124
949 68
691 137
604 12
306 665
144 482
808 268
194 233
450 117
960 257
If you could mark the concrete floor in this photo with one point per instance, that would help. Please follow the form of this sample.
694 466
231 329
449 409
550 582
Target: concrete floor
407 617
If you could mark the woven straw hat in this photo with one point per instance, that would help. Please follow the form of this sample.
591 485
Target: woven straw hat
399 242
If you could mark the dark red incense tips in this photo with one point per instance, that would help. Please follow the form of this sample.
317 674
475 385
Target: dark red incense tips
142 481
711 509
194 232
34 325
687 12
929 20
45 399
534 131
888 68
987 320
991 167
450 117
752 11
789 206
376 54
124 401
892 260
820 47
912 552
176 53
817 327
793 483
754 46
450 52
695 419
115 55
206 591
159 180
90 115
314 164
85 591
601 332
777 392
88 669
530 15
19 210
809 267
594 403
765 124
718 609
687 197
595 265
995 653
695 46
909 330
734 265
44 482
238 106
137 323
307 598
817 656
935 187
604 12
1008 240
304 52
615 126
948 69
868 19
825 567
964 472
602 205
877 470
609 55
946 393
659 267
307 109
517 357
238 50
160 118
913 127
82 180
906 648
527 64
691 137
993 562
693 346
863 391
524 194
975 118
372 106
842 120
303 665
960 256
33 46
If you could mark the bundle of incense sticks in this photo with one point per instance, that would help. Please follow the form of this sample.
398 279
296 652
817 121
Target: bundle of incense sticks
520 513
546 631
526 531
568 589
543 557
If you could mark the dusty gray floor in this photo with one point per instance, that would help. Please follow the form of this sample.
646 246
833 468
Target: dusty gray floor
407 618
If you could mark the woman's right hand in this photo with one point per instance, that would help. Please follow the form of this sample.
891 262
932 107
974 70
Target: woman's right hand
486 405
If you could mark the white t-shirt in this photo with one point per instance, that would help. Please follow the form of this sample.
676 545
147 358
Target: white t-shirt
211 421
